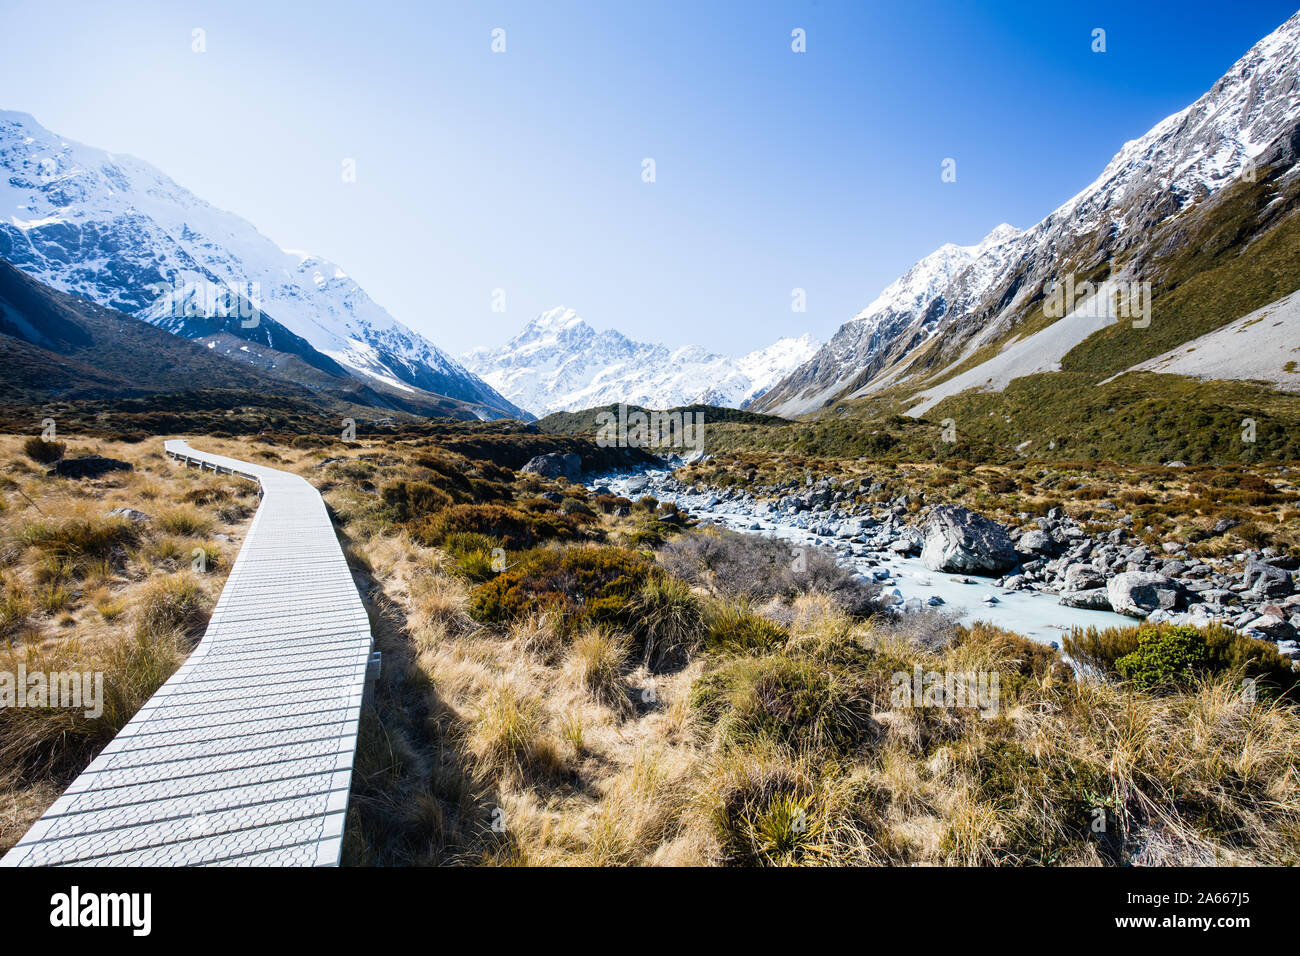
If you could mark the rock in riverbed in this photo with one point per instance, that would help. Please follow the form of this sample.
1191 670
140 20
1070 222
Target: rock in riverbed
958 540
1138 593
1092 599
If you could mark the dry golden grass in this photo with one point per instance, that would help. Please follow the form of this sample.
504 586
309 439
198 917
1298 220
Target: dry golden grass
542 747
530 744
86 592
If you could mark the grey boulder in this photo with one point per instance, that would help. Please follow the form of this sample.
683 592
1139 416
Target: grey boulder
1091 599
555 465
1272 627
958 540
1138 593
1083 577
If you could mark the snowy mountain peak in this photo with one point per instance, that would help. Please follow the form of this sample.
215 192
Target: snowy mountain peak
557 319
118 231
999 235
559 363
972 294
925 280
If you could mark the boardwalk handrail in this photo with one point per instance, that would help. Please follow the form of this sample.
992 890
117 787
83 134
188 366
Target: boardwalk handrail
244 756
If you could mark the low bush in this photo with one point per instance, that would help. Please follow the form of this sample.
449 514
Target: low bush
755 568
475 556
413 499
1156 655
518 529
584 585
44 452
796 702
652 534
732 626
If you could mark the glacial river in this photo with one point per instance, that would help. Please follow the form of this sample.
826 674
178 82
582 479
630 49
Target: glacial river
1034 614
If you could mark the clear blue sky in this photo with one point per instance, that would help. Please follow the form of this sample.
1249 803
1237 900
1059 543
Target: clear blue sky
522 170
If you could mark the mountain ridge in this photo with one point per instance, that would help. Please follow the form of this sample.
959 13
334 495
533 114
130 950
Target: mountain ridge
120 232
899 343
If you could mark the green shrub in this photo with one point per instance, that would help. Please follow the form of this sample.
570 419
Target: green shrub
585 585
1164 658
1153 654
43 452
652 534
517 529
413 499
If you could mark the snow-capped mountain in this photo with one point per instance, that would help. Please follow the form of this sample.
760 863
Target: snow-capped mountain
560 363
909 312
121 233
960 298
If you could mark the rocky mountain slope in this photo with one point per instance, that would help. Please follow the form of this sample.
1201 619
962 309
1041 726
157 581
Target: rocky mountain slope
121 233
958 310
61 348
560 363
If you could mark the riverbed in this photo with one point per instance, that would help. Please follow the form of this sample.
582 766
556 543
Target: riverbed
1034 614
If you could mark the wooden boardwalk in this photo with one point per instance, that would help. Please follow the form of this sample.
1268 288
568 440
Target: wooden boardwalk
244 757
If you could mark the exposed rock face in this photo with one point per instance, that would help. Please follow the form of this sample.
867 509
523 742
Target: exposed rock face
1138 593
555 465
957 296
90 467
121 233
130 514
959 541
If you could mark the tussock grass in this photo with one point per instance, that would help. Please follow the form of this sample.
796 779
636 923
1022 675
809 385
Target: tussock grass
597 659
509 736
81 591
176 603
185 522
645 712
